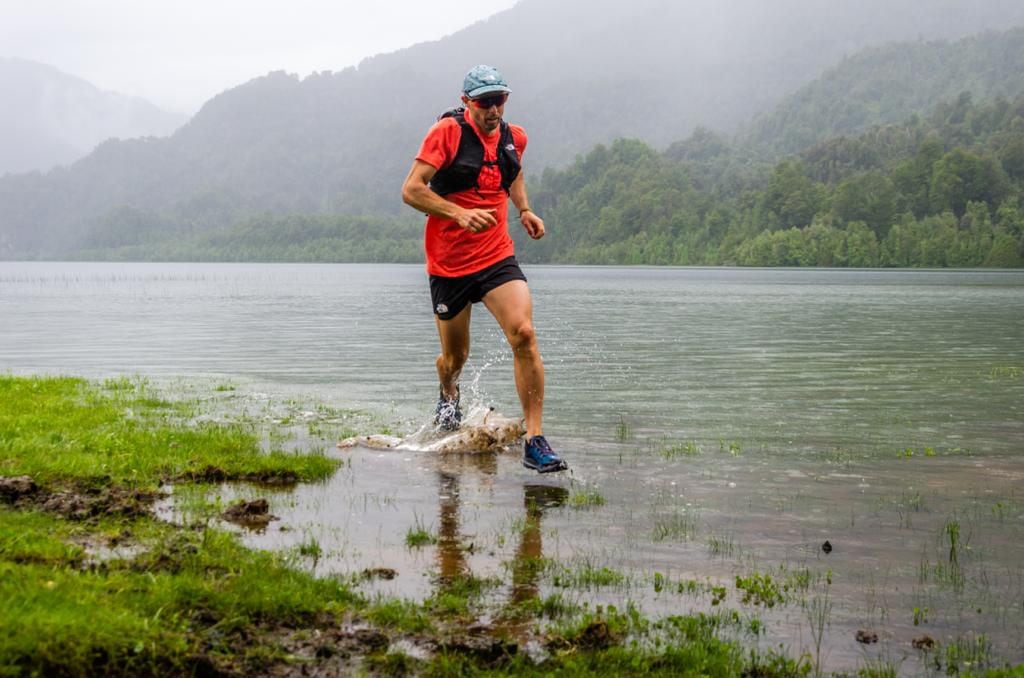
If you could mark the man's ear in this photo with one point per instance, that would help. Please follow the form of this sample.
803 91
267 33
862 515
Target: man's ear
465 100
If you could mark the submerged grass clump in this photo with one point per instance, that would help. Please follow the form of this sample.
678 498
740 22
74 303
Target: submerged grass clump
419 535
585 498
623 431
676 450
760 589
722 545
679 525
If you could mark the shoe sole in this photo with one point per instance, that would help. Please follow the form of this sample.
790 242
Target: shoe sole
560 466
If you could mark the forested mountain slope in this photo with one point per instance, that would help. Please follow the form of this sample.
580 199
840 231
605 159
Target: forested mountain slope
887 84
340 143
943 189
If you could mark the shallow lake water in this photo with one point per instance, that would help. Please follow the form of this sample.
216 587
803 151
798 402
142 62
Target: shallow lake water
720 423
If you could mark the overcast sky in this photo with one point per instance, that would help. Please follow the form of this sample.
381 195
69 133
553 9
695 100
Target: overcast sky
179 53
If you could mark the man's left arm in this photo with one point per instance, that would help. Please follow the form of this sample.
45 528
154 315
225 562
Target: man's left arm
533 224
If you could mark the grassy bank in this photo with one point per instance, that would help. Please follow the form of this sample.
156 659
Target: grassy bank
93 583
66 430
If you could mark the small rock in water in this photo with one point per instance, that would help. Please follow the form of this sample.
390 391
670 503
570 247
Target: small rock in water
923 643
253 514
867 637
827 546
380 573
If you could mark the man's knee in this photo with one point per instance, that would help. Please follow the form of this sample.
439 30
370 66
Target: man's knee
522 337
453 359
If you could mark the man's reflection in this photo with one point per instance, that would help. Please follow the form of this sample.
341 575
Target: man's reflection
527 562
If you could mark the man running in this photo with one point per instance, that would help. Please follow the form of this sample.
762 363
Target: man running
466 170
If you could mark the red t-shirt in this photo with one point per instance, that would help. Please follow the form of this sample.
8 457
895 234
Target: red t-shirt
453 251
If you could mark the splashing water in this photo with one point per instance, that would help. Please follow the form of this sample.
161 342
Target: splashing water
482 430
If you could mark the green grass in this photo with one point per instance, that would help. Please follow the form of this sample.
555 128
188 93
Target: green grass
66 612
584 498
400 615
759 589
31 537
144 615
586 576
58 429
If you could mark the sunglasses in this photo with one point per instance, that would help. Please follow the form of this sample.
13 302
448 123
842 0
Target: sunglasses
492 100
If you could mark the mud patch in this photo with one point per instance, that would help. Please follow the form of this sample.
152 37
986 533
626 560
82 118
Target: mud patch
594 636
215 474
77 501
325 648
349 650
171 557
484 648
13 488
254 514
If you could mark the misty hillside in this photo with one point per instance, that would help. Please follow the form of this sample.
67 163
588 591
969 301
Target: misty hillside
885 85
581 72
941 189
50 118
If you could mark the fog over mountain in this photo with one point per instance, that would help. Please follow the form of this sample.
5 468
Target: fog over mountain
582 73
50 118
587 72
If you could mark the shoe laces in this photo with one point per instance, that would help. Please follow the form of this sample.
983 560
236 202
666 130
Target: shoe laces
540 444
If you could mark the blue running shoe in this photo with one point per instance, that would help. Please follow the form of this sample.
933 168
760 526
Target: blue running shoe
539 456
448 416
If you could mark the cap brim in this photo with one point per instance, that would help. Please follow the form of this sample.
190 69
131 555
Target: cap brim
487 89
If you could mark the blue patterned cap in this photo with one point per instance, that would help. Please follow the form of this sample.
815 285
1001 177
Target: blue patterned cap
483 80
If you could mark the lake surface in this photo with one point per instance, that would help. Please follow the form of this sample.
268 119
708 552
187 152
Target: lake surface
719 423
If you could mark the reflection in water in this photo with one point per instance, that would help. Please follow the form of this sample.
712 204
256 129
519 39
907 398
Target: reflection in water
451 554
528 559
529 554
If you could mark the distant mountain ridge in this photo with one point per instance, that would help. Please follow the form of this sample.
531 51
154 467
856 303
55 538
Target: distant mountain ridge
581 73
886 84
50 118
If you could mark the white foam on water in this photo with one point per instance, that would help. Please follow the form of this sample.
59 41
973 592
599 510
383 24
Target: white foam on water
482 430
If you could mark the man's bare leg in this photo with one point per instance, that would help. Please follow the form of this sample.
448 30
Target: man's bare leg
512 306
454 336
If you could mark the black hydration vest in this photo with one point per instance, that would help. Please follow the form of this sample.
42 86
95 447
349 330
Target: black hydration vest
464 171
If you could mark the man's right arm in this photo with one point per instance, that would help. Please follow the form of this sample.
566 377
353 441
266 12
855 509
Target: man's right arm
416 193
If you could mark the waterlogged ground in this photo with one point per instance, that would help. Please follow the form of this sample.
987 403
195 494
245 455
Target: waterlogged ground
722 426
924 545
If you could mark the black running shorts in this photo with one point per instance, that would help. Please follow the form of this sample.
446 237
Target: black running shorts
451 295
